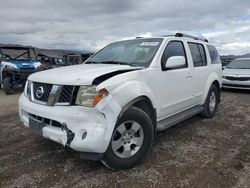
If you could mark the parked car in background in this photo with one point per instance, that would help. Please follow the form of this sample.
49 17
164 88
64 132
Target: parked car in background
16 64
236 74
110 107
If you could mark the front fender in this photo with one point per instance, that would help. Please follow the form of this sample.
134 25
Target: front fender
128 86
119 97
130 90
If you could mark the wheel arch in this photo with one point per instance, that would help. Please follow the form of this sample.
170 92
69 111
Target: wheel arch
217 84
144 103
213 79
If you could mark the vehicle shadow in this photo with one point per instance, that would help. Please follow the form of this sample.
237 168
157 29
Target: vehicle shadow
243 91
16 91
174 129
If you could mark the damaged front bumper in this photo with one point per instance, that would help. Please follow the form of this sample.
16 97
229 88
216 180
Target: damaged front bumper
82 129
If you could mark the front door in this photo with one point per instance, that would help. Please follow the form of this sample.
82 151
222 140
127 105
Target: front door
175 87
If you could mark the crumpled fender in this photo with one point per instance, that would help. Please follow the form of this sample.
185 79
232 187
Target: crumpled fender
121 92
126 87
111 110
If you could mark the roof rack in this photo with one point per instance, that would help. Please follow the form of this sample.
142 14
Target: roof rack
190 36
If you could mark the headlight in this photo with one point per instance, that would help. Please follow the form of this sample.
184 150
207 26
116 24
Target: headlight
27 89
89 97
10 67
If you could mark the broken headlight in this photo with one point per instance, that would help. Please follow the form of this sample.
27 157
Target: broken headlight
89 97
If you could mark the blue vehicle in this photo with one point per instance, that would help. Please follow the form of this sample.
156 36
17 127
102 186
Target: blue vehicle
17 63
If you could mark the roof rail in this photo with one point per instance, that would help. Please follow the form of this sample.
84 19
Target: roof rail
168 35
191 36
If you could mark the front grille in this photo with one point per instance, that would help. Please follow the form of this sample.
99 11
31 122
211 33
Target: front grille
43 96
27 68
59 94
233 78
236 85
66 94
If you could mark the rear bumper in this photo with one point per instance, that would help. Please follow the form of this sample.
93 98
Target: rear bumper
82 129
235 84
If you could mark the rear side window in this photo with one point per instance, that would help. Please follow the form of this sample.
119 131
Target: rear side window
214 55
198 54
174 48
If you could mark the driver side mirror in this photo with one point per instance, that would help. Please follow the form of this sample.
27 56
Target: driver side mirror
175 62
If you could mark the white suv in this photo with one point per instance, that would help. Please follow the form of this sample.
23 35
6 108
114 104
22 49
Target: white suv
110 107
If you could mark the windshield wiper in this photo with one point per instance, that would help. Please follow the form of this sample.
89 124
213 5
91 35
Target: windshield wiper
115 62
110 62
92 62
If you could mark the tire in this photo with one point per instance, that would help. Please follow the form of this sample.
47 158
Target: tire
7 86
134 126
211 104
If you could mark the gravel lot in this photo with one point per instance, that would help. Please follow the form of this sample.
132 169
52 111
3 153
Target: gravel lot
197 153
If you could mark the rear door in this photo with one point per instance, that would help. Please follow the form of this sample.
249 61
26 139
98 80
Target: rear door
200 68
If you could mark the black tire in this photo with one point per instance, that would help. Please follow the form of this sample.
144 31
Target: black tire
115 162
207 112
7 86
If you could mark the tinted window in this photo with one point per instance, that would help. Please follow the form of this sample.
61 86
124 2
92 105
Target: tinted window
198 54
174 48
203 54
214 55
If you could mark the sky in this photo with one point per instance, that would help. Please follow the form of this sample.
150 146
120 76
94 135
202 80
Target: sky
92 24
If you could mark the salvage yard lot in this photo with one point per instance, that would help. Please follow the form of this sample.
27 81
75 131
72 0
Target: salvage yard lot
197 153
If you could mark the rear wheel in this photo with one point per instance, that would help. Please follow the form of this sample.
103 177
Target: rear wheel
7 86
131 140
211 103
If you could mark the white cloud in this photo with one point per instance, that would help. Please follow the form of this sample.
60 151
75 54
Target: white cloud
91 24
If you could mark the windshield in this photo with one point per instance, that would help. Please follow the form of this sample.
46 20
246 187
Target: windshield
131 52
239 64
18 54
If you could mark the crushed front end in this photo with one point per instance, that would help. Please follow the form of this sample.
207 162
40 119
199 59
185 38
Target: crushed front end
51 111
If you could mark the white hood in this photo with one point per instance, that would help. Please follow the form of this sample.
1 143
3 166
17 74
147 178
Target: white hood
83 74
236 72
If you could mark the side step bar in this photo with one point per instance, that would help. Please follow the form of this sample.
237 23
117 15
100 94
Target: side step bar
177 118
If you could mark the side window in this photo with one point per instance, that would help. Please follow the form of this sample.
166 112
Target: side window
198 54
173 48
214 55
203 54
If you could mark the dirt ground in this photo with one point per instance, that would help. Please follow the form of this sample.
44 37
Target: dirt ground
197 153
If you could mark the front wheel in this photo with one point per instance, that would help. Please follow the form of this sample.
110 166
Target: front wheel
7 86
211 103
131 140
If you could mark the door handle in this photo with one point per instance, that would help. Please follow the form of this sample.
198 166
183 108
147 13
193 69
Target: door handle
189 75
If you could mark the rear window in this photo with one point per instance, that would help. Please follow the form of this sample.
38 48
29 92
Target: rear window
214 55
